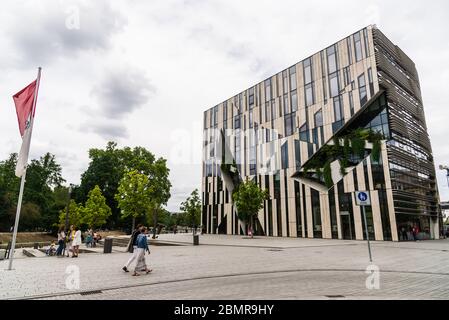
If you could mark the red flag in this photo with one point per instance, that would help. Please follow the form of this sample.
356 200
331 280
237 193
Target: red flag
24 101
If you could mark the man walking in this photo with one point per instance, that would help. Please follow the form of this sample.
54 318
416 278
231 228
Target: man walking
132 246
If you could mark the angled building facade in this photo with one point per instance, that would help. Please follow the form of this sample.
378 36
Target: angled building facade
296 135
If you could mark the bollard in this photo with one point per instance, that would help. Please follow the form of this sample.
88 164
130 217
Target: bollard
196 240
107 248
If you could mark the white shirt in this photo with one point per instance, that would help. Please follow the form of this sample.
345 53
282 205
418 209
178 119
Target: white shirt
61 235
77 239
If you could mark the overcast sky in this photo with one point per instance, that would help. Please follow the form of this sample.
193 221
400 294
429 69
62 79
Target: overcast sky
142 72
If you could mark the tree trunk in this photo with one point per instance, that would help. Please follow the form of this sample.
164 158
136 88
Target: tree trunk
251 227
134 225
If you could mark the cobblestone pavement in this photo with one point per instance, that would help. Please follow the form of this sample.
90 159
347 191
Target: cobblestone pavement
227 267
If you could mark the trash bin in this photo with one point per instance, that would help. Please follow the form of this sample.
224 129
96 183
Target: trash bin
107 248
196 239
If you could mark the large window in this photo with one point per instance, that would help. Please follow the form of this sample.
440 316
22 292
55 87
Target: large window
294 101
273 110
285 81
358 47
267 90
370 81
365 36
348 41
308 83
332 59
351 103
267 111
225 115
323 76
308 71
316 214
309 95
225 110
338 108
251 120
297 155
215 116
362 90
334 86
304 133
237 122
251 98
252 152
289 123
346 76
286 108
319 119
284 155
292 72
237 149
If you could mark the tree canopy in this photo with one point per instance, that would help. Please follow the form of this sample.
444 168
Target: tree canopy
45 198
42 193
96 211
248 199
133 195
192 209
108 166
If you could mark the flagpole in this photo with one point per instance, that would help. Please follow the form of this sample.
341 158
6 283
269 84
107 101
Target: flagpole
22 183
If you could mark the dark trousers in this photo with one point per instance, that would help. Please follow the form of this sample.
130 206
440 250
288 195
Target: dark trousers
60 247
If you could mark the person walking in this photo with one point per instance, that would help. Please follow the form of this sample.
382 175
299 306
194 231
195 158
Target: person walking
76 242
142 248
61 241
132 246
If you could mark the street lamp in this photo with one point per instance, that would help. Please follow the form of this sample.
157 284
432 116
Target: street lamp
447 172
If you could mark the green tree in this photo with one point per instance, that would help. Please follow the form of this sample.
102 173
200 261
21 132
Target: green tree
248 199
192 209
106 169
134 195
39 199
76 213
96 211
159 186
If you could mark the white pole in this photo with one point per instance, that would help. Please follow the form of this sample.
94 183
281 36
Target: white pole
22 183
16 224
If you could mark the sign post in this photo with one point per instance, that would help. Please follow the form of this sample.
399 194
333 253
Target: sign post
363 199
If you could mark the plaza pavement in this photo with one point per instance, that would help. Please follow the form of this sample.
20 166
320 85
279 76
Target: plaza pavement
233 267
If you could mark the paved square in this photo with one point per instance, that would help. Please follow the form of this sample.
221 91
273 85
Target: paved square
232 267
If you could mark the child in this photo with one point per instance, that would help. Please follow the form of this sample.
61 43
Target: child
51 250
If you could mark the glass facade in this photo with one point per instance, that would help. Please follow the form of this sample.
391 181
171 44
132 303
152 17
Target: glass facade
273 130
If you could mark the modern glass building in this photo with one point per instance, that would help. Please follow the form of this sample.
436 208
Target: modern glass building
299 133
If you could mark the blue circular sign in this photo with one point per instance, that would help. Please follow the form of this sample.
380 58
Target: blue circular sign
363 196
